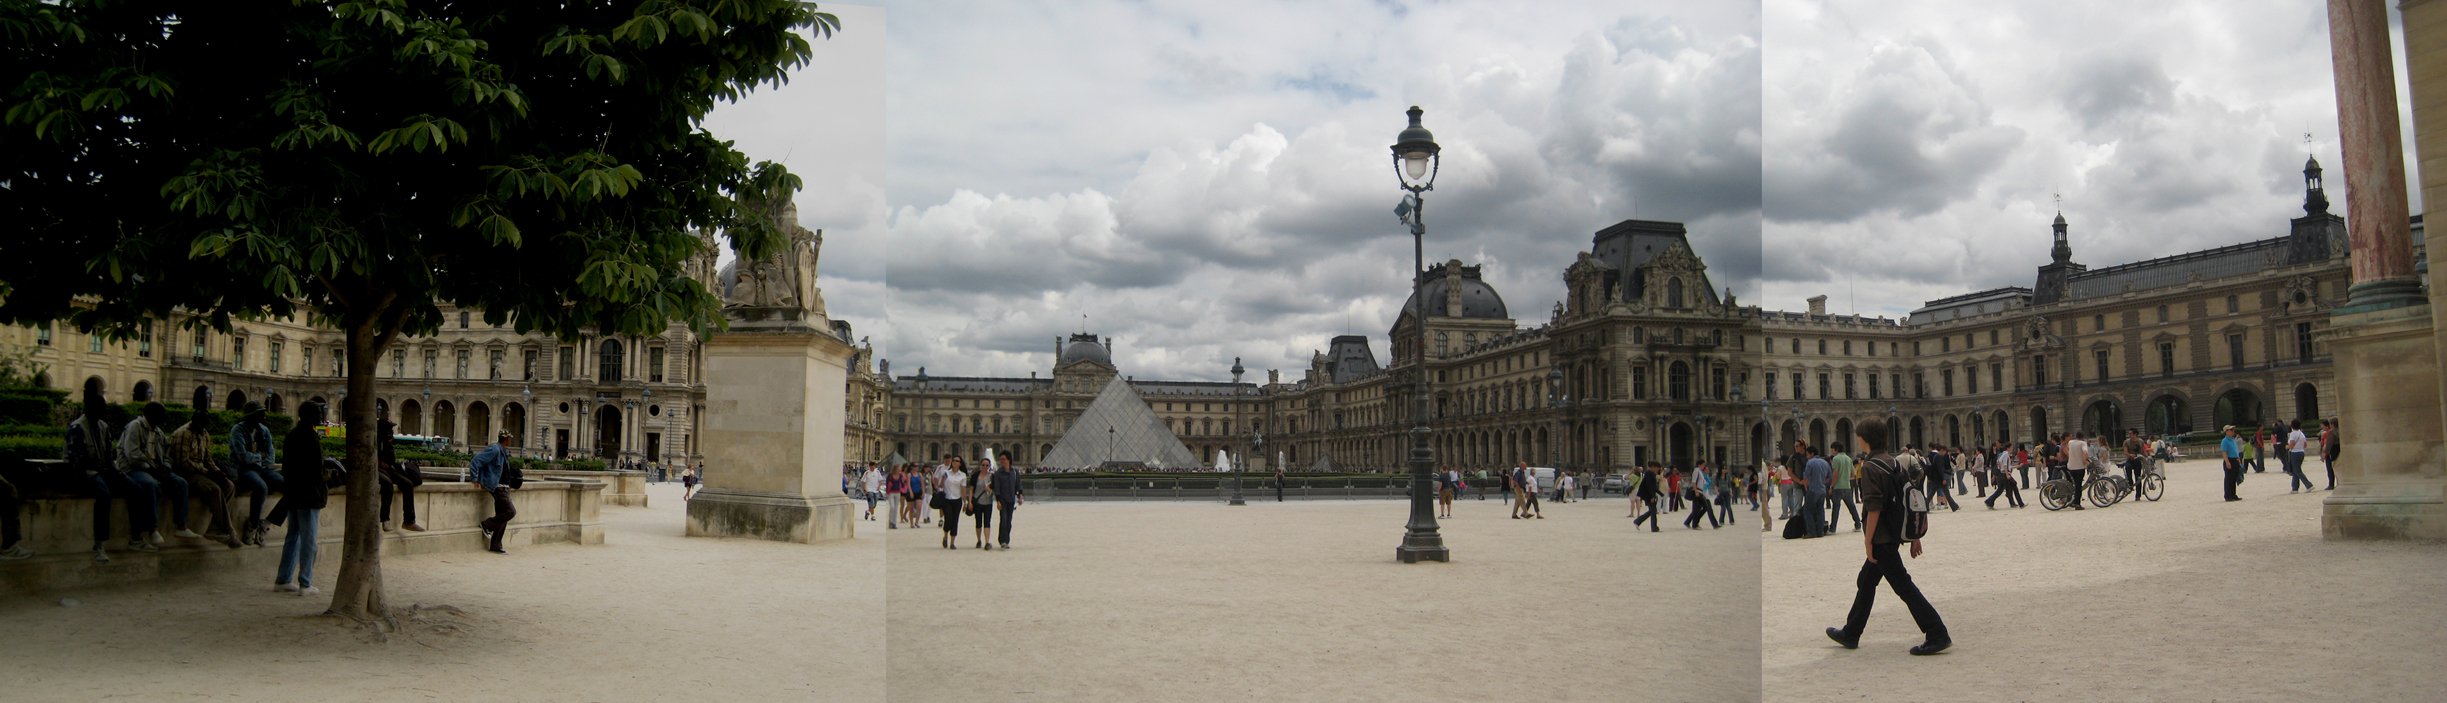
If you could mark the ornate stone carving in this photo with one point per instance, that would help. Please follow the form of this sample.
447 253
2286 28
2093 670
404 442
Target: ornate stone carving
788 278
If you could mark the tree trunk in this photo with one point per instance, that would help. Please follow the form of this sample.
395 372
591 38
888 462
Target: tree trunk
357 594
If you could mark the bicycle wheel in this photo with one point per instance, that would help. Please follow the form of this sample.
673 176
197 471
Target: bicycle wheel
2102 493
2052 495
2152 487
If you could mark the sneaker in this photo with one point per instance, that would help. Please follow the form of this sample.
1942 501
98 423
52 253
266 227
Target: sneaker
15 553
285 587
154 537
496 550
309 592
386 526
141 546
100 556
187 533
412 527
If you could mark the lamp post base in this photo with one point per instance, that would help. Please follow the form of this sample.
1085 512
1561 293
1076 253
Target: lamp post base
1409 554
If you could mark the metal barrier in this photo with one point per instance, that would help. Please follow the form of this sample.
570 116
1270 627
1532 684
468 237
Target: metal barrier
1216 488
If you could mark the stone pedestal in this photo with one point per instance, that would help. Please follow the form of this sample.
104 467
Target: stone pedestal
2389 478
772 433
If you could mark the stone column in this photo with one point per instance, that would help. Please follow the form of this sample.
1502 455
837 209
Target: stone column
2374 155
2389 483
773 430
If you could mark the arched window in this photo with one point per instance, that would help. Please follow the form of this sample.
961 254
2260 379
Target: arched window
608 370
1673 293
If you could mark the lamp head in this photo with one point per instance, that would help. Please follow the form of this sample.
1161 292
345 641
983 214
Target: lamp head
1415 150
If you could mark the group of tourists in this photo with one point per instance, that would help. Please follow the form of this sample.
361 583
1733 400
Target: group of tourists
951 489
2244 454
145 462
1519 487
1710 493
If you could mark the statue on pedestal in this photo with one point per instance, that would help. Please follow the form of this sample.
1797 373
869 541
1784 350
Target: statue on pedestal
788 278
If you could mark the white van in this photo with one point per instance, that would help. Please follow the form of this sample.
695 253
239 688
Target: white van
1545 477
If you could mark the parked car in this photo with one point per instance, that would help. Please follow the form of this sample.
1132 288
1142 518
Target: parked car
1616 483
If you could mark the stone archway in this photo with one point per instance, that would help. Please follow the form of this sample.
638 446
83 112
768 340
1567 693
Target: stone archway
1678 445
2237 406
235 402
2306 404
2039 425
411 417
2103 418
608 433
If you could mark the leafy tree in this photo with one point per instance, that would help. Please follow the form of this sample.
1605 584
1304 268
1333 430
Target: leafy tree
367 161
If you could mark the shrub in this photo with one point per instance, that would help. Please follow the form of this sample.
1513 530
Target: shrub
33 447
56 396
25 410
32 430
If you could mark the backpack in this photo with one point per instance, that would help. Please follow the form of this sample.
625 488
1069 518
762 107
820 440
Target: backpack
1909 501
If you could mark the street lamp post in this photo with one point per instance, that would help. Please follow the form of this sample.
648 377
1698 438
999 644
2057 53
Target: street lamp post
1240 471
1415 163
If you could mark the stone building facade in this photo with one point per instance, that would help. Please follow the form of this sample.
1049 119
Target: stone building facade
1646 360
2183 343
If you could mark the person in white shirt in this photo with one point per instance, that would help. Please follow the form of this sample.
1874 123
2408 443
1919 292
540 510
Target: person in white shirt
2077 465
872 482
951 489
2295 444
1564 494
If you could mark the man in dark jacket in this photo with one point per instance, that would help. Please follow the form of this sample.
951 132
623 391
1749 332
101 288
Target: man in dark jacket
394 475
1007 496
1882 480
93 472
1650 488
486 470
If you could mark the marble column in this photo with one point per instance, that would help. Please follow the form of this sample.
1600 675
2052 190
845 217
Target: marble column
2384 341
2374 156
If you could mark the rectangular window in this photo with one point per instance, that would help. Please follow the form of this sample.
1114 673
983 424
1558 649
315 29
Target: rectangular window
1996 376
2166 358
1639 335
1873 381
1967 340
2234 304
274 361
1945 382
1717 383
492 366
433 362
1992 338
200 337
399 363
462 319
1771 386
93 341
463 357
2302 341
2039 370
1971 380
339 364
2098 323
1826 386
568 365
2234 349
1797 388
2100 357
654 364
1915 348
42 335
1639 382
1945 344
2162 313
1796 345
1822 347
237 352
1920 385
144 339
526 365
1848 387
1847 347
1873 348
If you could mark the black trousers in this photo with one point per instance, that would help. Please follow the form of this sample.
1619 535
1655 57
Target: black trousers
407 495
2075 476
9 529
1889 568
1650 517
2234 475
985 517
1702 508
503 511
1002 535
2007 489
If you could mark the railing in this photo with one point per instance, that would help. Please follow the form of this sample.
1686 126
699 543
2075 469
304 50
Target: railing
1217 487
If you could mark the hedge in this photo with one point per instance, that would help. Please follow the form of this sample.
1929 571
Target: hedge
32 430
26 410
56 396
33 447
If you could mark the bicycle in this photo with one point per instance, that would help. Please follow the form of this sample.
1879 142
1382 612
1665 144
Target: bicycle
2057 493
2111 489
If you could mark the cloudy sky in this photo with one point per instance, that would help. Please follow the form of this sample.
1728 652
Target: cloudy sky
827 126
1205 181
1915 147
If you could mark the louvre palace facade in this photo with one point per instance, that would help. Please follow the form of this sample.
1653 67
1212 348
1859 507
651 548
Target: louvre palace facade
1645 360
2184 343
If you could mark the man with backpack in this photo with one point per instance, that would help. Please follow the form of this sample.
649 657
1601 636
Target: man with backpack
1897 513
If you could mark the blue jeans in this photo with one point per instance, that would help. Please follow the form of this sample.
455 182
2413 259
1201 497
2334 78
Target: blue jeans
142 495
2294 469
254 483
297 547
1814 515
173 488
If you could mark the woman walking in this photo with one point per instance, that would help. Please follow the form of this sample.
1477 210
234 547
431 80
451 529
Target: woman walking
981 501
303 496
951 493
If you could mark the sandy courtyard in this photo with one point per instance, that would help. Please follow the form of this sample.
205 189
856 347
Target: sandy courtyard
1302 601
648 616
2185 599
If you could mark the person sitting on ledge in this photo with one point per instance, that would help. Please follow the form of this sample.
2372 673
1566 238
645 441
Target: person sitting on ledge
250 457
404 477
191 458
93 473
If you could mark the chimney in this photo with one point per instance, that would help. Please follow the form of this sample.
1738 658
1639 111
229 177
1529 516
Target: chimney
1818 305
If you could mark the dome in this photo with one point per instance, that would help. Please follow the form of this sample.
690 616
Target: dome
1084 347
1478 300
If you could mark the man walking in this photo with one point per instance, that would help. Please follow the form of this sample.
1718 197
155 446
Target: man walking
1007 497
871 483
2296 443
1881 481
1815 478
1840 498
1648 490
1528 492
1700 486
486 469
2328 450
